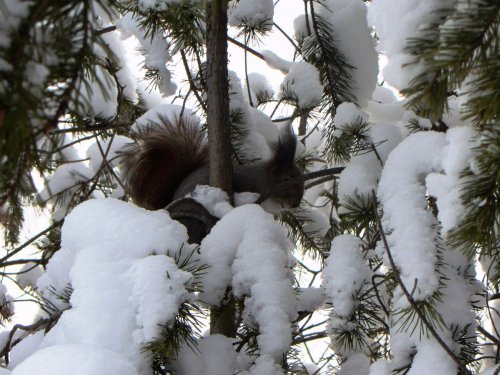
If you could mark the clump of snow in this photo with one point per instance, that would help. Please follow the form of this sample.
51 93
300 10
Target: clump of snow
406 220
155 48
98 95
300 29
214 355
125 75
276 62
28 275
36 73
260 88
310 299
215 200
358 179
117 258
253 122
264 365
234 250
348 113
155 5
158 302
361 175
316 222
303 85
446 187
76 359
380 367
171 112
384 106
396 21
345 273
13 11
354 40
251 13
357 364
65 178
384 138
403 348
432 359
24 349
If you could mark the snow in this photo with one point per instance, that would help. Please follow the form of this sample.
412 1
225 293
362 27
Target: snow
316 222
358 179
264 365
345 273
446 187
348 113
156 5
155 48
302 84
28 275
158 302
24 349
126 73
406 221
11 15
358 364
251 13
234 250
276 62
109 148
384 137
354 40
310 299
260 87
98 95
214 355
61 360
397 20
380 367
124 268
432 359
171 112
66 177
215 200
361 175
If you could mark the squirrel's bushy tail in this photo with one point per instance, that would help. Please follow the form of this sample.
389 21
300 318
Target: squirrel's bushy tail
161 158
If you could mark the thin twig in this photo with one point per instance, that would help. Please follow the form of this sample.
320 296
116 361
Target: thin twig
246 48
30 241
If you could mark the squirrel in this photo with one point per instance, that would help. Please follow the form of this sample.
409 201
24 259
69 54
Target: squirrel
169 158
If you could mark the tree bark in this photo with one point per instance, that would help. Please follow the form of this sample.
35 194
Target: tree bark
221 167
223 317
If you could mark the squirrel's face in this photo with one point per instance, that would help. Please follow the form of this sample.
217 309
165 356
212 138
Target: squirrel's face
292 191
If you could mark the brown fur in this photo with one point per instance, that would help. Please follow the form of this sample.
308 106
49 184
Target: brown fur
164 154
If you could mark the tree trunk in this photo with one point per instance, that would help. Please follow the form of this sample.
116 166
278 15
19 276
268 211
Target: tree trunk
223 317
221 167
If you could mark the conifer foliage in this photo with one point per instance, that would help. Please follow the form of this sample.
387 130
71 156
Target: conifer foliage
391 263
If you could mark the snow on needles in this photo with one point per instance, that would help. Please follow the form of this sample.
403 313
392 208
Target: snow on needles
234 250
251 13
302 84
116 258
397 20
406 221
345 273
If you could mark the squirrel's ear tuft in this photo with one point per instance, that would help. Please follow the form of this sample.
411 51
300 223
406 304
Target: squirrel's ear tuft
284 156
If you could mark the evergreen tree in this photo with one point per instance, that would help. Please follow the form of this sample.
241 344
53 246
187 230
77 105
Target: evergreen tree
375 273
